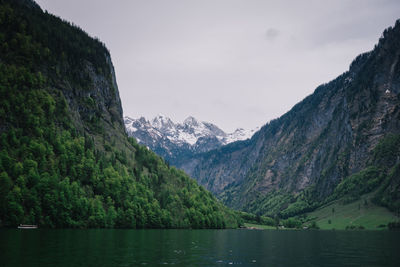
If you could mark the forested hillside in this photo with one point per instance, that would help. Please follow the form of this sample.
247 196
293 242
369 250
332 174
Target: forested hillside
340 142
65 159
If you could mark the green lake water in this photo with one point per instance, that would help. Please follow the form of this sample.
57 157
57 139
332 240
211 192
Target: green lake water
198 248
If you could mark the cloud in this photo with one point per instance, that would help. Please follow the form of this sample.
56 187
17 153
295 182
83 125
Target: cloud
271 34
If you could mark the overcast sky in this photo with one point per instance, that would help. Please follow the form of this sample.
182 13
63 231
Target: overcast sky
236 63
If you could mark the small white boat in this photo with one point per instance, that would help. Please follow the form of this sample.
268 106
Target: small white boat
27 226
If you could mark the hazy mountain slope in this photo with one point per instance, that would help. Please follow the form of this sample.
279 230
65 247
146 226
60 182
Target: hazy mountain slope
177 141
296 162
65 159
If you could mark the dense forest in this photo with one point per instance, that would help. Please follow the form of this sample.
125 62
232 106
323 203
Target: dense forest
65 160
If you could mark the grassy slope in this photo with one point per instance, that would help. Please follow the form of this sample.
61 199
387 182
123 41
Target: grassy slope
359 213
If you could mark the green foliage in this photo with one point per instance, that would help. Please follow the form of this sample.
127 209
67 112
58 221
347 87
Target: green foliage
30 37
388 193
269 204
358 184
295 208
56 174
313 225
292 223
387 151
256 219
386 155
283 205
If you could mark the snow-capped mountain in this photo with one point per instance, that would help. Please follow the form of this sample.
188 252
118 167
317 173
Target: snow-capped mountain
175 140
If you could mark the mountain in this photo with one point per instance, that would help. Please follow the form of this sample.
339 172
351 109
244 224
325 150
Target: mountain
341 142
65 158
176 141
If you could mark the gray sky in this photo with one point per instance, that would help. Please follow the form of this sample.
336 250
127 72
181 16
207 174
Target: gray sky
236 63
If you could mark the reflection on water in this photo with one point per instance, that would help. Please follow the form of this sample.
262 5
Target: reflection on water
198 248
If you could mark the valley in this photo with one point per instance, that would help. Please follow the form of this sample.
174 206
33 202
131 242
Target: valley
68 158
342 141
85 183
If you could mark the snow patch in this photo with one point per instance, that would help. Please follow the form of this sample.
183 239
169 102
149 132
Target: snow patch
189 132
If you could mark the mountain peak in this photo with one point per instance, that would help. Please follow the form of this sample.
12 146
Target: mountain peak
162 122
170 139
191 121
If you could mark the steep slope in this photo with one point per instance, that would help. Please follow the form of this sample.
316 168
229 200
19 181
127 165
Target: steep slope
304 158
65 159
177 141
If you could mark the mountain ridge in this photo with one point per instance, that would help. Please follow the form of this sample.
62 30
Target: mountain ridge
174 141
296 162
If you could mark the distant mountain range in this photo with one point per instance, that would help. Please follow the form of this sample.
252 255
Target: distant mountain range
175 141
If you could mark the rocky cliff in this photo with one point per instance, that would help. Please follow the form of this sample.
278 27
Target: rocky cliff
296 162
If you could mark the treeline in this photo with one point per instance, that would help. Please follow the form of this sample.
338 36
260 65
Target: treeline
30 37
55 174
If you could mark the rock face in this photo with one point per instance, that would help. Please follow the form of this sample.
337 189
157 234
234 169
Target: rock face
176 141
306 153
100 103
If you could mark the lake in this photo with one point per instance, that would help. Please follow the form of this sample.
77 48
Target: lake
99 247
